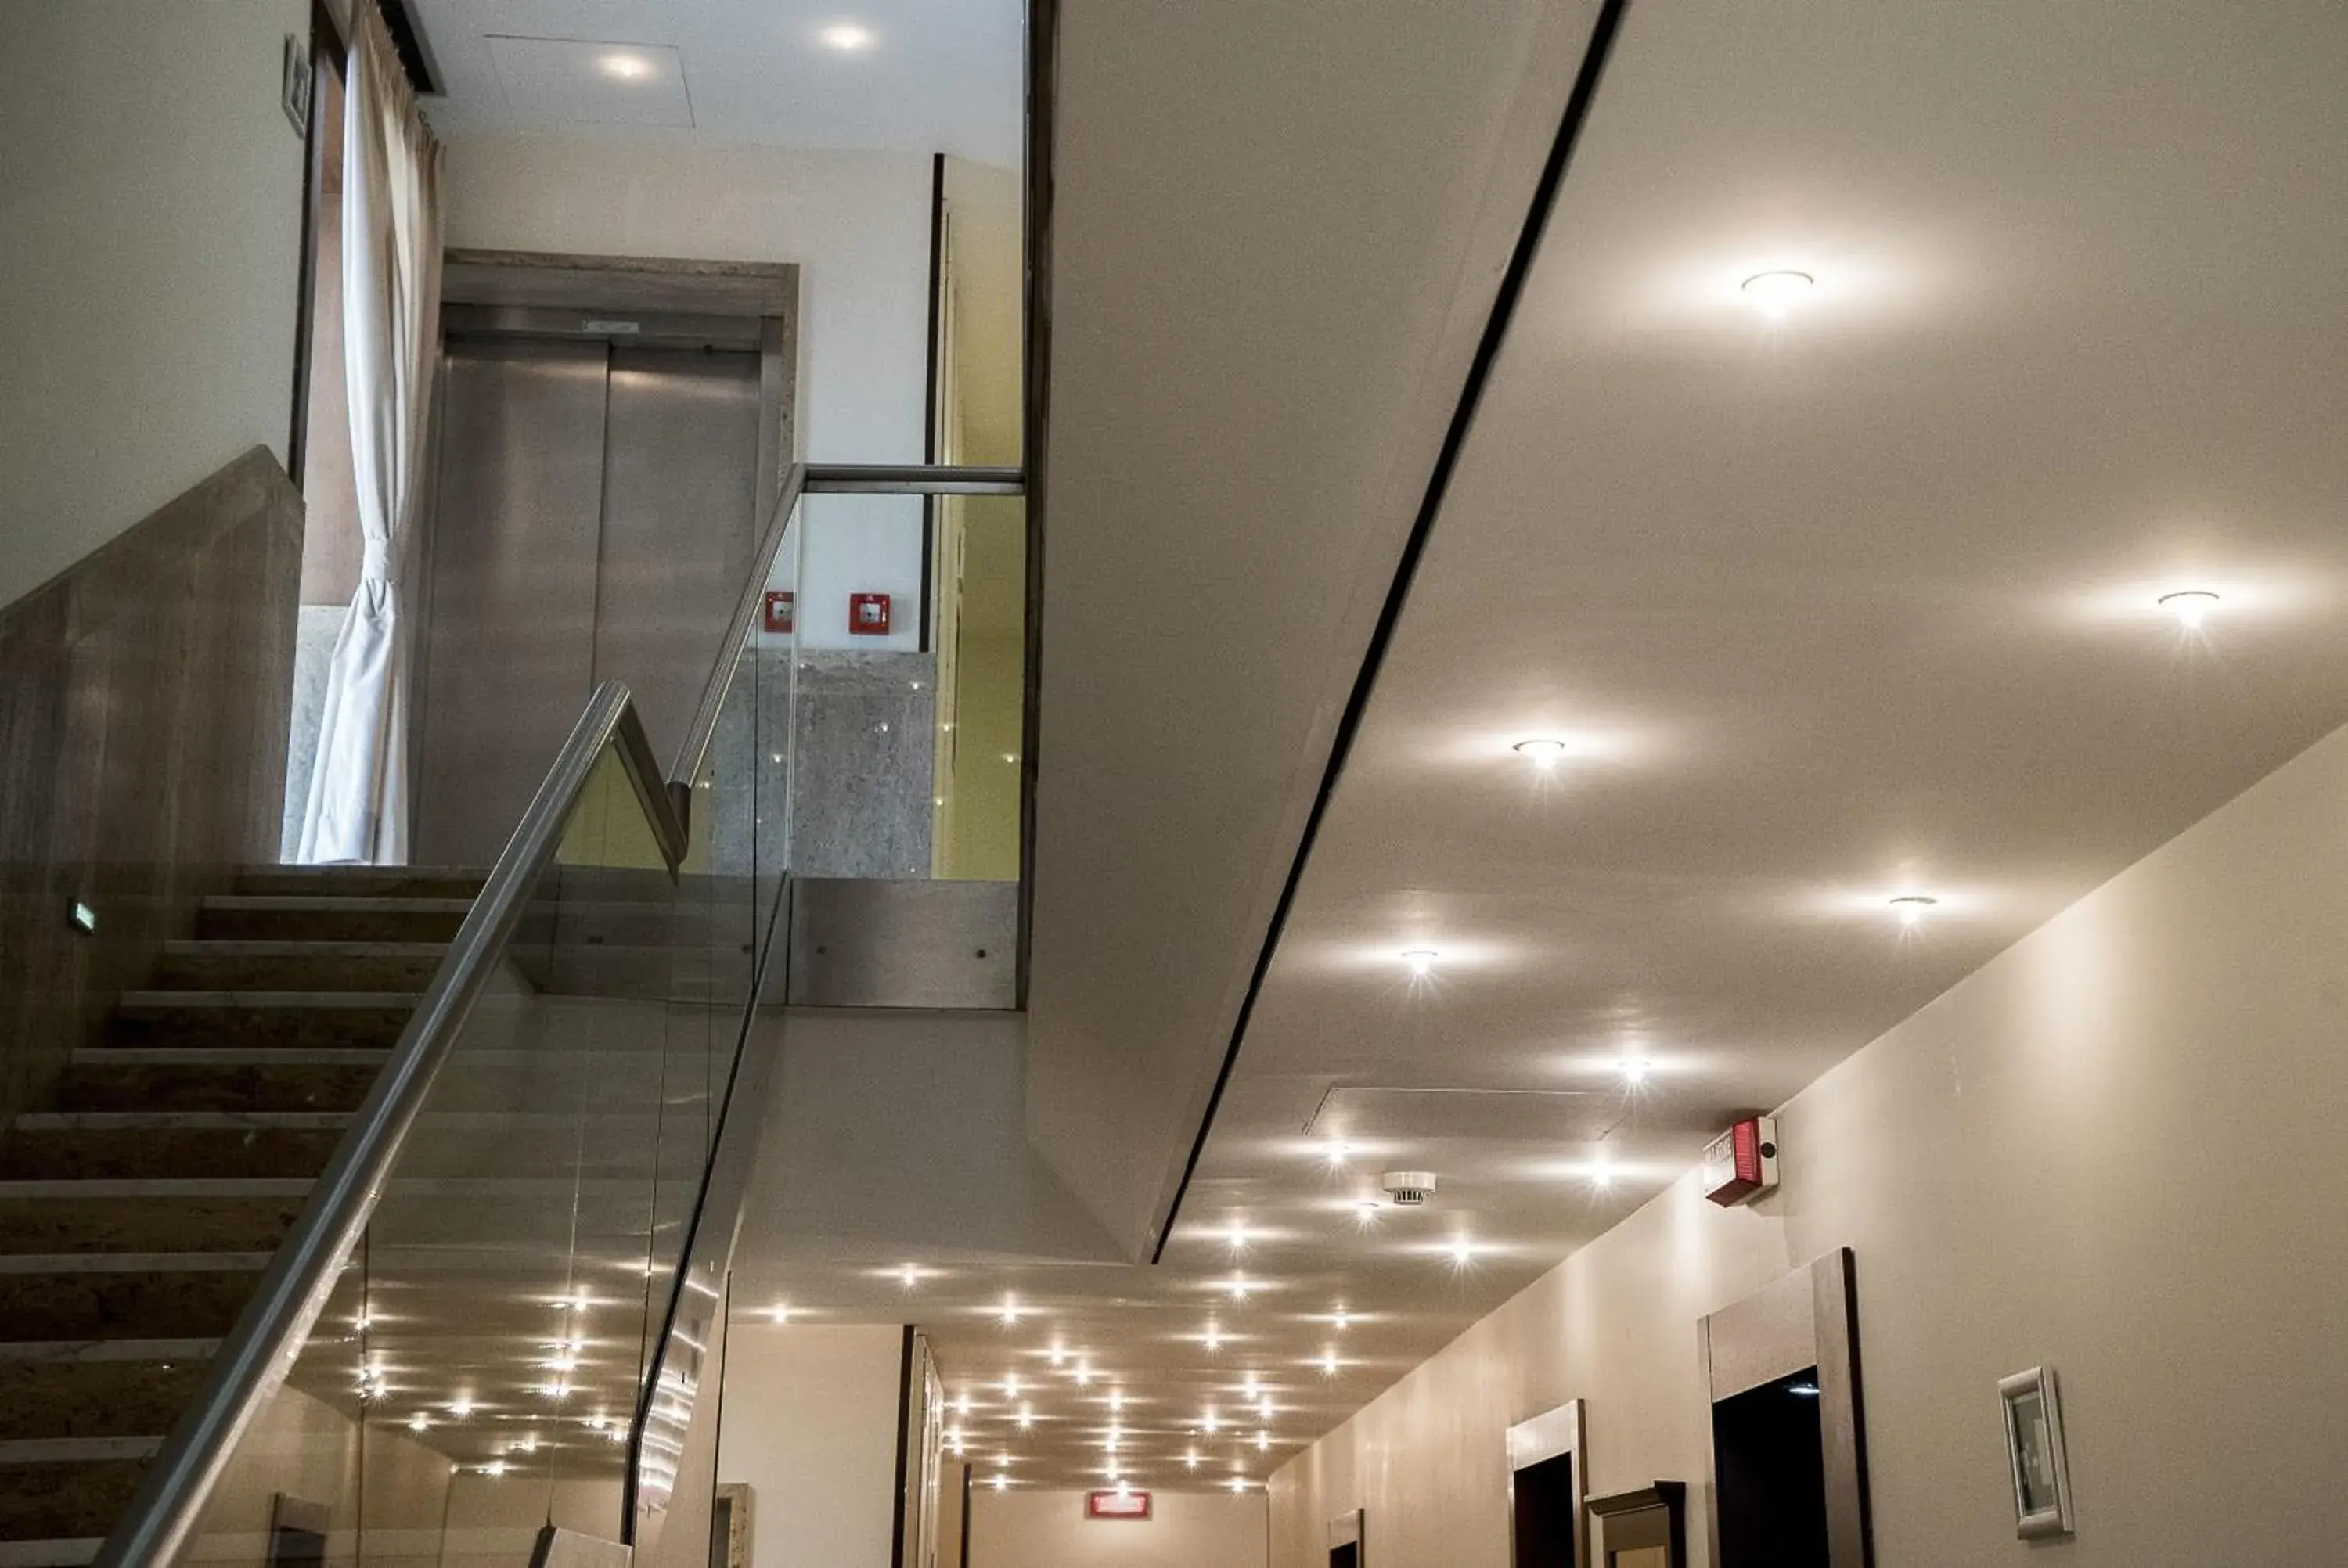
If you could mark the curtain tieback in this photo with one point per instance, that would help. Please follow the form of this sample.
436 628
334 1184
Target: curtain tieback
375 560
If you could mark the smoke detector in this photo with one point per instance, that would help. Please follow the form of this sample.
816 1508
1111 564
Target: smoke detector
1408 1188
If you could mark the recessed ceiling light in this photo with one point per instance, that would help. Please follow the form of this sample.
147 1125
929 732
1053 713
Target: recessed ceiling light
1421 960
1262 1441
1238 1484
1367 1212
1026 1417
625 67
1009 1311
1011 1385
1338 1152
1912 907
1634 1069
1463 1252
1544 752
910 1275
847 37
1329 1362
1774 294
1001 1482
1191 1460
1601 1175
2190 606
1238 1236
780 1312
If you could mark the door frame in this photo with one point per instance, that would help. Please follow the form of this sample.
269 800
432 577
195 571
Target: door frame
1552 1434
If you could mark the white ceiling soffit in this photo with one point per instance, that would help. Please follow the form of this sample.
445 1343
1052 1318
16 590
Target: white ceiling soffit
1859 605
1279 232
902 76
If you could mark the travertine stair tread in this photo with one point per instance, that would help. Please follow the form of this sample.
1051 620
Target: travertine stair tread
280 964
273 1020
92 1304
65 1501
43 1401
139 1206
157 1147
316 917
363 881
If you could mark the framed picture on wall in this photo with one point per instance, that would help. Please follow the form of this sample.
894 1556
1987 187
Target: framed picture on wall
2033 1453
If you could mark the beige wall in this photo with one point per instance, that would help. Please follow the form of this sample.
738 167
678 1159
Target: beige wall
149 261
1048 1530
810 1427
2111 1150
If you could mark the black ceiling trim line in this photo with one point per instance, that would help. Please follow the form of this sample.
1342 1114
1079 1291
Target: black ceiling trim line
1463 417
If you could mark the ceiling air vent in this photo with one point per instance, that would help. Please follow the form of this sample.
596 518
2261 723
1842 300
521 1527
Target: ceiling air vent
1408 1188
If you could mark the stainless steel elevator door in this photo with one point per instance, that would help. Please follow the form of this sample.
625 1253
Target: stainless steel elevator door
510 628
593 520
680 494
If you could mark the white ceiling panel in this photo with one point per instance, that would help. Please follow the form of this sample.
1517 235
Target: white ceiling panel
562 81
916 75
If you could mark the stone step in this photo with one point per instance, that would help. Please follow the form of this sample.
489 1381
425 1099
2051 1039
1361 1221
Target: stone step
96 1299
239 916
53 1501
70 1218
47 1400
70 1148
274 1021
362 881
188 1079
298 966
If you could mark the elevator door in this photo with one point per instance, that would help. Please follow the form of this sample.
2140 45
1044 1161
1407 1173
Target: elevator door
593 520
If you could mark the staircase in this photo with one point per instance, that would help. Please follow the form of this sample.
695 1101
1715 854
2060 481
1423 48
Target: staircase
137 1211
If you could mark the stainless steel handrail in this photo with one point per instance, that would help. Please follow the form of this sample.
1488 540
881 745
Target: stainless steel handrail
255 1357
269 1334
695 749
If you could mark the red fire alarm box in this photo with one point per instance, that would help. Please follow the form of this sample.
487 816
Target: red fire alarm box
1123 1503
1742 1162
868 614
782 609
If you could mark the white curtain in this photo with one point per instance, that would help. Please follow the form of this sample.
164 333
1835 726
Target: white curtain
357 812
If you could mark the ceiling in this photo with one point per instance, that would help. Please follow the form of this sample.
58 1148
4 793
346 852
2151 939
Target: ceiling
1827 610
908 75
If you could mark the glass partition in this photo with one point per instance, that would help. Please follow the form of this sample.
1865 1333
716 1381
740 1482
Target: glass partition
910 715
478 1368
